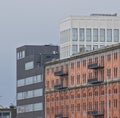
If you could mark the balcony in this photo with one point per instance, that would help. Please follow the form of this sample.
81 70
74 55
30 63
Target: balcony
60 87
60 116
94 81
96 113
60 73
95 66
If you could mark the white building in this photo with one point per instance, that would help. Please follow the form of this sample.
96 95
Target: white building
78 33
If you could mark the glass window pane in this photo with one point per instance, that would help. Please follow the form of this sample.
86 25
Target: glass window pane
102 35
116 35
29 80
74 34
20 82
109 35
19 96
95 47
74 49
88 47
38 92
88 34
38 106
82 34
29 65
95 35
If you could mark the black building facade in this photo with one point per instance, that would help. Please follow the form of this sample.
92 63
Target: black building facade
30 79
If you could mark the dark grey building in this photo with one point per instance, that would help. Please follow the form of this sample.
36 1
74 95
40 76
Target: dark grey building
30 79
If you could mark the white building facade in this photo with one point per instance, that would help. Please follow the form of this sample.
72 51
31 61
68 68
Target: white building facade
79 33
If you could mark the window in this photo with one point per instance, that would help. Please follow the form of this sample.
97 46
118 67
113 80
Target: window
88 34
72 65
96 93
96 105
115 56
74 34
116 35
84 107
115 91
78 64
102 35
109 103
109 73
84 78
72 107
82 34
109 57
20 83
84 63
19 96
72 96
78 107
95 35
90 75
95 47
78 79
90 105
29 80
78 95
72 80
74 49
29 65
115 71
109 35
52 83
88 47
20 54
115 103
38 92
38 106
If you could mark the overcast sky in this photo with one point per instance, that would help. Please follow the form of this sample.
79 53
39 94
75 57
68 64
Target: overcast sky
36 22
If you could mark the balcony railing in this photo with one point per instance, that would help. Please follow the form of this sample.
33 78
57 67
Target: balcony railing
60 73
95 113
94 81
95 66
60 116
60 87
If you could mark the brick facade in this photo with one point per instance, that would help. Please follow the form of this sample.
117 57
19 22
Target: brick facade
84 86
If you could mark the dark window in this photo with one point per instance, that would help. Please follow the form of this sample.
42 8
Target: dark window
78 64
72 65
109 57
115 56
78 79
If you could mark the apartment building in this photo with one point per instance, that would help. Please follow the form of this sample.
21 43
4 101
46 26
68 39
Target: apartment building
30 78
86 85
85 33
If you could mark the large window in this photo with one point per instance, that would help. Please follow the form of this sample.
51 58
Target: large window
102 35
30 107
30 94
116 35
88 35
109 35
95 35
29 80
29 65
74 49
74 34
82 34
